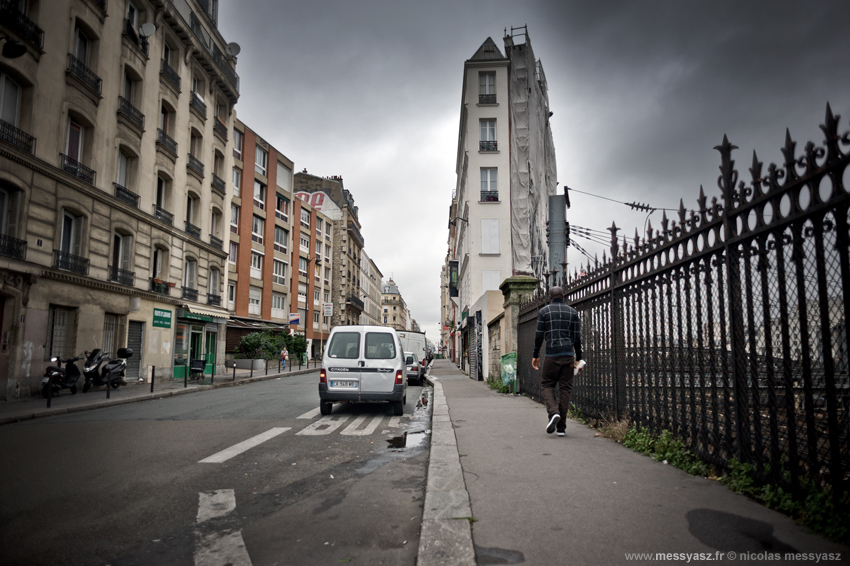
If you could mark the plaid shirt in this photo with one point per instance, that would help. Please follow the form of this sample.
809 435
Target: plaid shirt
560 326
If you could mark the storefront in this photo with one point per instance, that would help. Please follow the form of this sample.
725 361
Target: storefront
197 333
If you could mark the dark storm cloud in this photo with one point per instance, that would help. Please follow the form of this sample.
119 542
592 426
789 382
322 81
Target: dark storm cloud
642 92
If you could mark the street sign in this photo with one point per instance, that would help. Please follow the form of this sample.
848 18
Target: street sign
294 319
329 309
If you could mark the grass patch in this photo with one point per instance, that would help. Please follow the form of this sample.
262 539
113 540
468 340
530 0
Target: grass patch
495 382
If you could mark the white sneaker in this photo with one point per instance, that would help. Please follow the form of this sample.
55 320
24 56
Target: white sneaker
562 433
553 422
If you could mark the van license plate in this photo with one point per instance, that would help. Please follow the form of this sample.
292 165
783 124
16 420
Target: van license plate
349 384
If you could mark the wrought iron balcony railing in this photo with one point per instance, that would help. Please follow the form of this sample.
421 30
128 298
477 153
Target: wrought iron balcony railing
190 294
100 4
195 165
121 276
193 230
126 195
198 104
159 286
166 141
220 128
18 138
77 169
489 196
486 99
216 242
132 113
70 262
20 23
218 184
163 215
84 74
355 301
214 300
13 247
170 74
488 146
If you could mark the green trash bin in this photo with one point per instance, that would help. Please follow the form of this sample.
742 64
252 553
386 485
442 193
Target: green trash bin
508 362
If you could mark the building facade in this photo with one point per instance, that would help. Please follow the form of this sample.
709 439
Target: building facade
394 308
114 137
370 289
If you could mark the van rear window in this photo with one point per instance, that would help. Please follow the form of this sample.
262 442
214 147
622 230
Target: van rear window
380 346
345 345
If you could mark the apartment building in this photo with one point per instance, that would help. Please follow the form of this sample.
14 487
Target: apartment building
370 290
394 308
113 143
279 260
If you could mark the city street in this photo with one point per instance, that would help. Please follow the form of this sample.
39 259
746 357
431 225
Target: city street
243 475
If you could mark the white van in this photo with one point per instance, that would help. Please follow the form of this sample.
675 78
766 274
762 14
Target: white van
363 364
415 342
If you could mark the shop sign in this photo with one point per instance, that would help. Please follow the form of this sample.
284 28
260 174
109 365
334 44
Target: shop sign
161 318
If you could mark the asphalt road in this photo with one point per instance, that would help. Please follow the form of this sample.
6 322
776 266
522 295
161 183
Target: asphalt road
249 475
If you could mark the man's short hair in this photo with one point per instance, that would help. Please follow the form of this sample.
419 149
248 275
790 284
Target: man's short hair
556 293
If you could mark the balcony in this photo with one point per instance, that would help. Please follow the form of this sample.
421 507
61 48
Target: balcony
69 262
77 169
163 215
165 141
139 42
220 129
126 109
13 247
85 75
193 230
486 99
352 299
195 165
281 216
214 300
488 146
13 136
190 294
489 196
195 103
160 287
352 229
18 22
215 242
126 195
122 276
218 184
170 74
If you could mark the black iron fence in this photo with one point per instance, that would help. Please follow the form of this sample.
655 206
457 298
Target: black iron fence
728 326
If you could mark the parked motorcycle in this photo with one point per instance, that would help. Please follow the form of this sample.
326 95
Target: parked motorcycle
111 374
61 377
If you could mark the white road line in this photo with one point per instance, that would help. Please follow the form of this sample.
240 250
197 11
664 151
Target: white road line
309 414
219 549
212 504
323 426
237 449
351 430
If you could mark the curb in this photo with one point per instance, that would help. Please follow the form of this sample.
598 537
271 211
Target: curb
54 411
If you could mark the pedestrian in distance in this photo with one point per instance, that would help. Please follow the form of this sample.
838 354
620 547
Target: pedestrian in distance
559 325
284 355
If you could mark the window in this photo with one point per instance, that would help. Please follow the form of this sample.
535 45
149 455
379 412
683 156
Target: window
121 255
231 296
237 181
490 280
82 46
302 292
488 136
281 237
302 267
234 252
10 100
161 192
327 274
316 293
192 203
113 332
237 144
218 163
166 118
195 145
72 234
305 243
129 90
74 140
234 218
490 236
282 210
214 282
189 273
259 195
123 166
327 296
255 299
168 55
257 227
279 272
256 265
487 88
305 218
278 305
315 317
345 345
318 249
215 222
319 227
284 177
379 346
61 328
261 161
197 88
489 185
132 15
157 265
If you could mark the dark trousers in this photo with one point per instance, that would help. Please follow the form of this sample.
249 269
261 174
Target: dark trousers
557 372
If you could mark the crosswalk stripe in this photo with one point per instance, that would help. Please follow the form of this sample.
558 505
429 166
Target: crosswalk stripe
309 414
219 549
351 430
237 449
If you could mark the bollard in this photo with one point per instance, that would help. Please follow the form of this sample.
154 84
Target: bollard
49 390
234 371
185 376
153 376
108 387
267 366
212 376
278 366
252 368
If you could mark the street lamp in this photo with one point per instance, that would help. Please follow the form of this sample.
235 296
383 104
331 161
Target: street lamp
13 48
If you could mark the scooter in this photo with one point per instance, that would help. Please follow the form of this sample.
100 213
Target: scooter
61 378
111 374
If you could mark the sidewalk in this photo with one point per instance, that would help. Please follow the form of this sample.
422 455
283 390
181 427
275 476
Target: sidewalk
133 392
537 498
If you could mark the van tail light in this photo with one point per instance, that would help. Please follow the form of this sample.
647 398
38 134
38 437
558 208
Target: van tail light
323 376
399 377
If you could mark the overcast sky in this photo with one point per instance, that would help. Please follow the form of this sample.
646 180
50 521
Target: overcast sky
641 93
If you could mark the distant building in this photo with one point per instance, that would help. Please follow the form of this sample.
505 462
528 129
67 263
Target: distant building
393 306
370 290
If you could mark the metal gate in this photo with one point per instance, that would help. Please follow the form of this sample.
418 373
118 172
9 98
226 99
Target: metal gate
135 341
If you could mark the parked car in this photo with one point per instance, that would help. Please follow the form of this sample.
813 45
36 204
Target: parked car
413 366
414 342
363 364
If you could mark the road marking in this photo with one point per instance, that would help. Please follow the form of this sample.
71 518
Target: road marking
309 414
237 449
351 430
323 426
219 549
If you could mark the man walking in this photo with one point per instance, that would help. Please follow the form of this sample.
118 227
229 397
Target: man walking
560 326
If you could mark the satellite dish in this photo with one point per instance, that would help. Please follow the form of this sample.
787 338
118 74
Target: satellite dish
232 49
147 30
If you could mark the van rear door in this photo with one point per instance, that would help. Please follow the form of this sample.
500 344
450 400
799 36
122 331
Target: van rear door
343 365
381 361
